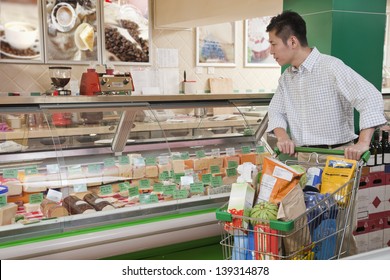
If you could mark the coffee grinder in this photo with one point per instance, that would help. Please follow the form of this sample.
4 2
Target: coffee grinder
60 77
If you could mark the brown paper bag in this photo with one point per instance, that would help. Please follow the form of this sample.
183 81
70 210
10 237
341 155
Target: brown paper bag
292 207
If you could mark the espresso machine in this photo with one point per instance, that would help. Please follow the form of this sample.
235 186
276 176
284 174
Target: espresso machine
118 84
107 83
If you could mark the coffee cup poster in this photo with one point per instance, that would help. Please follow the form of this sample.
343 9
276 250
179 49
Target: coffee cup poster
216 45
20 35
257 47
71 31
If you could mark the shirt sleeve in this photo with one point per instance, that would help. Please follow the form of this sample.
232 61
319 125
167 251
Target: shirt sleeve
361 94
276 112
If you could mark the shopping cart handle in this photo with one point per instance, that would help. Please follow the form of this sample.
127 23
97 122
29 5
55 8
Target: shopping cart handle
365 157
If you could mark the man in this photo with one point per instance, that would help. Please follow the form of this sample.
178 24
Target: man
317 94
316 97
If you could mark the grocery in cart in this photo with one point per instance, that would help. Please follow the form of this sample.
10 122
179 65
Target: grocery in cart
296 214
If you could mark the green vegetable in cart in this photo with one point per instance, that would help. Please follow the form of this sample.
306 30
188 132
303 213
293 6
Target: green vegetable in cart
264 211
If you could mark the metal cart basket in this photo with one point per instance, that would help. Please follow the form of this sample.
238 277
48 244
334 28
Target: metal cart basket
322 232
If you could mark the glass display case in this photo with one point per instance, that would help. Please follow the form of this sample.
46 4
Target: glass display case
73 166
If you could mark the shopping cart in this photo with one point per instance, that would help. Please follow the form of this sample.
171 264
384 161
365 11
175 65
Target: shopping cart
322 232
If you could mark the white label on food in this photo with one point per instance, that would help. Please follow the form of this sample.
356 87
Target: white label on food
54 195
98 200
282 173
186 180
80 202
267 184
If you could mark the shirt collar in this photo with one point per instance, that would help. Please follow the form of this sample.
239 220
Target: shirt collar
309 62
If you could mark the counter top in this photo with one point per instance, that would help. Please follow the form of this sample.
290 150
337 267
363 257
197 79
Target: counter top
112 100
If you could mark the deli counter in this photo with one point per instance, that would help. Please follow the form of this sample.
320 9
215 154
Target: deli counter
92 177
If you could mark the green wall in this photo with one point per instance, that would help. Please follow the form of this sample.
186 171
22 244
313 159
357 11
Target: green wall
352 30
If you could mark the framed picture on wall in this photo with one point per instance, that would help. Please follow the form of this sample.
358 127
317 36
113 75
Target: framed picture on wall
216 45
257 47
21 35
71 31
127 32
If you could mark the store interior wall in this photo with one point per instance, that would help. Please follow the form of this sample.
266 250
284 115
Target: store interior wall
27 78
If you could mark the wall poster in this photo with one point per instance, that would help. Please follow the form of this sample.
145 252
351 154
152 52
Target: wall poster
21 35
127 35
216 45
257 47
71 29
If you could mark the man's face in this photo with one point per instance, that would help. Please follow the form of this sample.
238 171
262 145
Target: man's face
281 52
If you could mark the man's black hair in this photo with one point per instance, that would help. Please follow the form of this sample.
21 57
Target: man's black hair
287 24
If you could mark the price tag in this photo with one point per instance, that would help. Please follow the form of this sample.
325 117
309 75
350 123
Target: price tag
176 155
80 188
35 198
197 188
260 149
106 189
54 195
185 155
206 178
109 162
180 194
144 184
123 186
232 164
230 151
150 161
52 168
248 132
230 172
215 152
31 170
186 180
124 160
3 200
178 176
74 169
215 169
158 187
94 168
200 154
133 191
163 176
10 173
148 198
169 189
216 181
245 149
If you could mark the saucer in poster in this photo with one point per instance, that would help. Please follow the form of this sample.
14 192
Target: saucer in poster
30 53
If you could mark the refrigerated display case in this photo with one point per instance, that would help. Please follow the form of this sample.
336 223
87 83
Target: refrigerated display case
93 177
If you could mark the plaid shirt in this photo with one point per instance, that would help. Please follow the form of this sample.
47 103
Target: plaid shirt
316 102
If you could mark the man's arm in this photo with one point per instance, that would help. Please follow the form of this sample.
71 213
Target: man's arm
357 150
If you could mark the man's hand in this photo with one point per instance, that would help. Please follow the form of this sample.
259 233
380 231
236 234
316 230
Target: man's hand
355 151
285 144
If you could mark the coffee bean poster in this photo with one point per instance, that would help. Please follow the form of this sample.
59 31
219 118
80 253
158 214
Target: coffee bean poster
126 32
